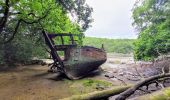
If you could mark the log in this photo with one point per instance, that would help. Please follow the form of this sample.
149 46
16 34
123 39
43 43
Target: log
162 94
99 94
145 82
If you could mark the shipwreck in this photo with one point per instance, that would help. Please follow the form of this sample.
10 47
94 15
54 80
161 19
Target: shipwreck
78 61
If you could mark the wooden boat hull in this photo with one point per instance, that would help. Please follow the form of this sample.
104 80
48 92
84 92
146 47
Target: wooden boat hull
83 60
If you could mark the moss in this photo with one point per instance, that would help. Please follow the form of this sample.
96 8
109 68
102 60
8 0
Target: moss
97 95
162 94
95 83
160 97
87 85
167 92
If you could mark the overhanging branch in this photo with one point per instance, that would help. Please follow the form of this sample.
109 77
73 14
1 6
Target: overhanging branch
15 31
5 17
27 22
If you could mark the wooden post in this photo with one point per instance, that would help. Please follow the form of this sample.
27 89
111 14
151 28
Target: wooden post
62 40
72 39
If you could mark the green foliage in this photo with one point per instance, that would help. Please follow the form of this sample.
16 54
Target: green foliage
80 9
111 45
152 20
25 19
21 50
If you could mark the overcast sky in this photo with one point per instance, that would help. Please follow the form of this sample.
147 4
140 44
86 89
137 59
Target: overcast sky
112 19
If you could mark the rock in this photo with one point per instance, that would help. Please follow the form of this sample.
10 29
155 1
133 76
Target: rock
99 87
109 75
122 74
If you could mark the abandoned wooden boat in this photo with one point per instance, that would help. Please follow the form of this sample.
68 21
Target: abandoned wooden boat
83 60
78 61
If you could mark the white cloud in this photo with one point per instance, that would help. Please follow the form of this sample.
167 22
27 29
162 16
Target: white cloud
112 19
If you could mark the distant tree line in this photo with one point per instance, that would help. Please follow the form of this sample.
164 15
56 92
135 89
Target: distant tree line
124 46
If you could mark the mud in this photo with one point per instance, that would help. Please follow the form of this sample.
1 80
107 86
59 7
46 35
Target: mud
33 82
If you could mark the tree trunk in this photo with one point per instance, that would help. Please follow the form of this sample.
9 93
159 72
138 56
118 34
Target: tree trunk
99 94
146 82
4 19
163 94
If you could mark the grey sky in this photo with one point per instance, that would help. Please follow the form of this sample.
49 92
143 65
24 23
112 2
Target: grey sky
112 19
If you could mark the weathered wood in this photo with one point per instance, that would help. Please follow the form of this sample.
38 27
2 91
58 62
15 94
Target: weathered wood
78 61
54 54
72 39
62 40
63 47
97 95
62 34
162 94
145 82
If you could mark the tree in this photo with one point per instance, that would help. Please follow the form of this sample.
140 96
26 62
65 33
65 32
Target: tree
25 19
31 12
152 20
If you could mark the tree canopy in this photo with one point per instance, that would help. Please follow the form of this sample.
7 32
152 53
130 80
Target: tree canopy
21 23
152 21
52 14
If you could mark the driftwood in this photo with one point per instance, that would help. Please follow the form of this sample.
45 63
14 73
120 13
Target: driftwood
97 95
162 94
146 82
124 91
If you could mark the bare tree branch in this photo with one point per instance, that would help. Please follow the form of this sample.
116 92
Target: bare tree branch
15 31
5 17
131 90
27 22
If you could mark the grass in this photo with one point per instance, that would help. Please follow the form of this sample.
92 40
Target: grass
95 83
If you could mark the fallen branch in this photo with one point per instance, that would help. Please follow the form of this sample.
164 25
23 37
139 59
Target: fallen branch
162 94
99 94
131 90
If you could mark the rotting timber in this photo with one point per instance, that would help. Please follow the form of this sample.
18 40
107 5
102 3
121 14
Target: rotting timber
78 61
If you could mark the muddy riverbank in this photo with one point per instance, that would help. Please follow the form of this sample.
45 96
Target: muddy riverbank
33 82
